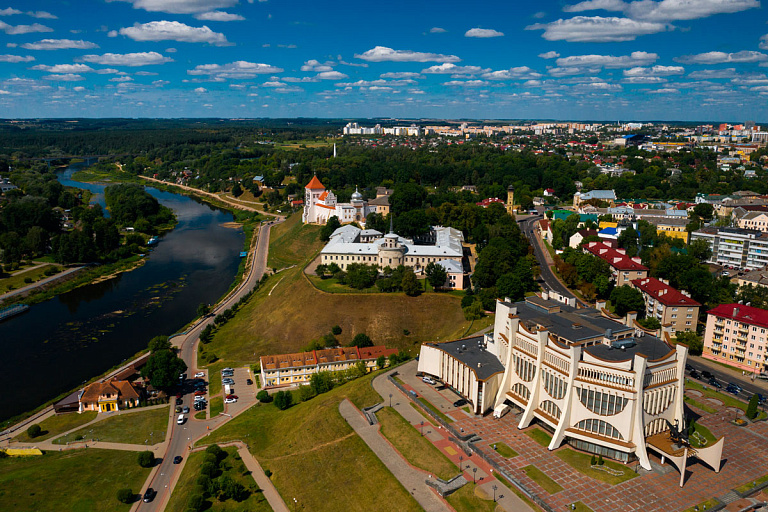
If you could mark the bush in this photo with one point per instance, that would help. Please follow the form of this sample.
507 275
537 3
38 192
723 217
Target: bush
752 407
196 502
594 460
600 460
34 431
125 495
27 280
283 400
361 340
263 397
146 459
306 393
217 452
336 330
267 473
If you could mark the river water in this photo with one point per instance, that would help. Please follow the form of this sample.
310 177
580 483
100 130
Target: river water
60 343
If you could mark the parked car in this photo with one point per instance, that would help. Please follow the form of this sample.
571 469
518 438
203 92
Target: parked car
199 392
428 380
230 400
689 368
714 383
760 398
227 370
460 402
695 374
180 419
182 376
199 398
185 410
179 401
227 381
149 495
199 406
733 388
177 459
232 396
249 382
179 394
178 408
199 374
707 375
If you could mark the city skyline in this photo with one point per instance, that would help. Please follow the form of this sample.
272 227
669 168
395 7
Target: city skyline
685 60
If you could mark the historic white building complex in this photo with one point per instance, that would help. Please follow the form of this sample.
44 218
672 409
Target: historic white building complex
320 205
592 381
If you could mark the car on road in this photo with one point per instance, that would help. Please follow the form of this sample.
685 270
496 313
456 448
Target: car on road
177 459
185 410
460 402
200 374
178 408
707 375
180 419
249 382
428 380
733 388
689 368
695 374
230 400
149 495
715 383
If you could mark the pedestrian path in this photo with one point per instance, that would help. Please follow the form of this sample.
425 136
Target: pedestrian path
411 478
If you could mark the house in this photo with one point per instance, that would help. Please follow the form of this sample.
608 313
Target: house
579 237
549 192
380 205
623 268
297 369
454 271
756 220
754 278
608 196
109 396
485 203
669 306
545 229
736 335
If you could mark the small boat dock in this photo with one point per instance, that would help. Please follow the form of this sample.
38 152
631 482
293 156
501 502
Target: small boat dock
8 312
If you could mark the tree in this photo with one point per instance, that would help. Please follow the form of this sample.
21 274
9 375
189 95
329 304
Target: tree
700 250
203 309
146 459
263 397
475 311
704 210
436 275
361 340
229 489
34 431
321 382
237 190
693 340
626 299
217 452
407 197
196 503
163 369
410 284
752 407
336 330
320 271
330 226
381 361
159 343
283 400
206 335
651 323
125 495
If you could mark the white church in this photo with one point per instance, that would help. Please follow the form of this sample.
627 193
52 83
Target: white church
320 205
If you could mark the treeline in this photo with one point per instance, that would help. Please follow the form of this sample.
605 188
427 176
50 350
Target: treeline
131 205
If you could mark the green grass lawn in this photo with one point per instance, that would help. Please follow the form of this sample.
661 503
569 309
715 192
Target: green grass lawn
703 432
699 405
417 450
434 409
77 480
539 436
293 243
727 399
17 281
504 450
581 462
114 174
232 467
217 405
465 500
200 415
332 285
542 479
701 506
313 437
58 424
754 483
128 427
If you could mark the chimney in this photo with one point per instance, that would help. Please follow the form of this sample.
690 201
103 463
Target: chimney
630 318
600 305
545 295
736 311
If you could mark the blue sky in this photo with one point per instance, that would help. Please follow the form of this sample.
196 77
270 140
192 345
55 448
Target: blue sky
595 59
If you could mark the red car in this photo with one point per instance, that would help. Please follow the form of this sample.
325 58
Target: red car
179 395
232 396
199 393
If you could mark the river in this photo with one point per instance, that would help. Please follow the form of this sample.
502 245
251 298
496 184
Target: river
60 343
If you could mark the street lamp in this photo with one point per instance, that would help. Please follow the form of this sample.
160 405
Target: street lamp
474 475
461 460
494 492
390 399
422 429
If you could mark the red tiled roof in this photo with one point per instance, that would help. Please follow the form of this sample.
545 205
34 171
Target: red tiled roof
315 184
663 293
615 257
741 313
330 355
544 223
323 195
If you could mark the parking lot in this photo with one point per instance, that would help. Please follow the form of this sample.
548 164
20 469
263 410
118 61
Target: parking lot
246 395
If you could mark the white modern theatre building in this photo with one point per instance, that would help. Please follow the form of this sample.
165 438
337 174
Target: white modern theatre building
593 381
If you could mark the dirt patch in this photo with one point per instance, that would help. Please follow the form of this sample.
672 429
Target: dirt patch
231 225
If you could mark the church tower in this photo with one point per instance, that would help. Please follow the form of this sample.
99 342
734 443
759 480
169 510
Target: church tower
511 200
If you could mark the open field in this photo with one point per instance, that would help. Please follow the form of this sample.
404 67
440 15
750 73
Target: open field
333 459
58 424
79 480
232 467
132 428
292 243
114 175
415 448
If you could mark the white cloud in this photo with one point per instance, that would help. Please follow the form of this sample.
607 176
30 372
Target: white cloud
598 86
764 42
173 31
371 83
437 30
121 79
666 10
644 80
583 29
10 11
466 83
67 77
452 69
201 90
666 90
609 61
331 75
384 54
592 5
518 73
654 71
273 83
23 29
238 70
60 44
483 33
170 50
722 57
64 68
218 16
400 74
160 83
113 33
549 55
314 65
707 74
379 88
127 59
79 88
145 73
109 71
42 15
16 58
179 6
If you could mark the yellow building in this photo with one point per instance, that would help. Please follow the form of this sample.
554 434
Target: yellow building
511 200
109 396
607 224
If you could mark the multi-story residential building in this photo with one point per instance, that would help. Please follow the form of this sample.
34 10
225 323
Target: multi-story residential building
609 196
736 335
624 269
593 382
735 247
754 278
296 369
752 220
669 306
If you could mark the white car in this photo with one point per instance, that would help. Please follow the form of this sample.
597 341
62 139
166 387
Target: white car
180 419
428 380
230 400
199 398
200 374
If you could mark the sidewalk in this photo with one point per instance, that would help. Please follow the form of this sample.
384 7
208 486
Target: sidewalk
41 282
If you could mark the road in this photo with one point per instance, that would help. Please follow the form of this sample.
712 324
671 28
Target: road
181 437
724 376
547 280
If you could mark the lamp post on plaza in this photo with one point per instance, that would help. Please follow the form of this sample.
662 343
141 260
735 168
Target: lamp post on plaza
474 475
422 429
390 399
461 460
494 492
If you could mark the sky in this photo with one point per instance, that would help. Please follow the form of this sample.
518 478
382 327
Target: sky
605 60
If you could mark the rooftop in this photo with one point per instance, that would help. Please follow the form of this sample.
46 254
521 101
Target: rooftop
472 353
314 184
664 293
616 258
741 313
